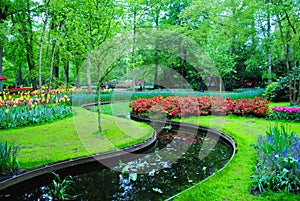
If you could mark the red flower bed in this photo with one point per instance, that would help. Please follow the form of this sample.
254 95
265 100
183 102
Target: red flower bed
173 106
21 89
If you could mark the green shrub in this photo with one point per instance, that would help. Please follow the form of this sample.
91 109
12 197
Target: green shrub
281 91
269 92
278 164
8 157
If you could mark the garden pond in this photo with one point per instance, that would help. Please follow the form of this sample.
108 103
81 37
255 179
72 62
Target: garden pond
172 166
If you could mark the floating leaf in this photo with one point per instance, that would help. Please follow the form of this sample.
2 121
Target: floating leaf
157 190
133 176
125 169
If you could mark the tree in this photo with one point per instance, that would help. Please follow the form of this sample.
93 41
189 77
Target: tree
6 11
288 21
41 44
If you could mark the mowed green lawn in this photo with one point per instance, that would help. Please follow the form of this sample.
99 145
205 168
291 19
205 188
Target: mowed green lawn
73 137
78 136
234 182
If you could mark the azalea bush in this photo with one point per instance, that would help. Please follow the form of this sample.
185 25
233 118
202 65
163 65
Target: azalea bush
285 113
174 106
25 108
278 161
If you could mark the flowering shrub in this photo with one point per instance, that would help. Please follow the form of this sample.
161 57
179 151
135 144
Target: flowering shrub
174 106
278 161
285 113
25 108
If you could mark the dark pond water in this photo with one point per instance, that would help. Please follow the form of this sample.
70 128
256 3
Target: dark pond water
154 176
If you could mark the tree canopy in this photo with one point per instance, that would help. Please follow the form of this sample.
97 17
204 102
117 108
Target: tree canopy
251 43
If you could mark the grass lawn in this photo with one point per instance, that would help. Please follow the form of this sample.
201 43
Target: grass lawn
272 104
77 136
234 182
73 137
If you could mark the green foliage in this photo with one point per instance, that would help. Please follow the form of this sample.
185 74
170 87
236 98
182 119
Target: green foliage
278 167
14 117
269 93
281 91
60 188
8 157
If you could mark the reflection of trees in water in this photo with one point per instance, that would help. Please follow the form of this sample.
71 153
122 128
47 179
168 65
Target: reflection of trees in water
163 175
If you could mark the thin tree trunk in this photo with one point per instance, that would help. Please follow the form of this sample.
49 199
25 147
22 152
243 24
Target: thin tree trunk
156 69
270 68
156 51
19 78
41 47
78 79
295 75
133 45
286 55
53 56
88 69
28 37
99 106
99 92
295 96
66 68
269 55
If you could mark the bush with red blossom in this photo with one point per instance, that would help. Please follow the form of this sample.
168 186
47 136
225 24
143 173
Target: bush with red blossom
174 106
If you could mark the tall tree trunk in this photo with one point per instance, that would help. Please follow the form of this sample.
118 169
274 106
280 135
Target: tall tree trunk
156 51
78 79
295 75
19 76
41 46
133 47
269 68
156 69
28 37
66 69
296 90
56 64
54 45
88 69
99 106
297 37
269 55
99 92
286 56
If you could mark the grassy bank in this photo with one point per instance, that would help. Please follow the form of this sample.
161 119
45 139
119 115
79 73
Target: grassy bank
234 182
73 137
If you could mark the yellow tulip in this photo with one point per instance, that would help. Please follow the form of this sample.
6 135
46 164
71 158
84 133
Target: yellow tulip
6 111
